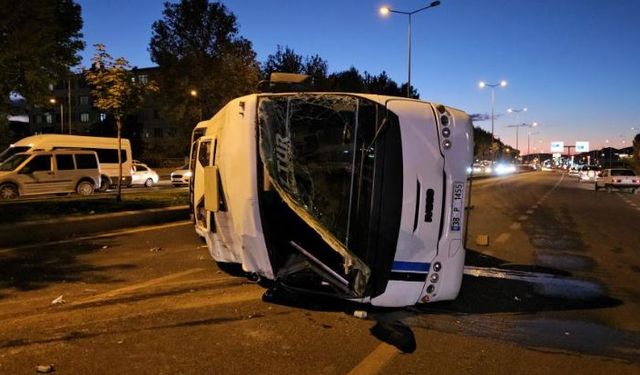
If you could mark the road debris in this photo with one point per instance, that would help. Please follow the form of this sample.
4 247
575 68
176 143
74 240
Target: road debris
58 301
360 314
45 369
482 240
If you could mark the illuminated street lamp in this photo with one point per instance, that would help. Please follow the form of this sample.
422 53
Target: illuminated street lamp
385 11
53 101
483 84
518 126
194 94
517 112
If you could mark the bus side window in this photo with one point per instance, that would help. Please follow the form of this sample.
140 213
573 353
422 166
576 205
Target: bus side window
204 153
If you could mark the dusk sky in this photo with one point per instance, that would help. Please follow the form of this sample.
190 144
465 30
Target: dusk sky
575 64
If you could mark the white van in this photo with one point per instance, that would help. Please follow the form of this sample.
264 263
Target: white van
353 195
49 172
106 148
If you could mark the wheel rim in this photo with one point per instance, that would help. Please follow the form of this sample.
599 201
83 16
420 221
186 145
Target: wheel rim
85 188
8 192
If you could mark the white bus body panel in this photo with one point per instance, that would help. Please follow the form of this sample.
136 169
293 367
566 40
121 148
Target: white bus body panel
237 237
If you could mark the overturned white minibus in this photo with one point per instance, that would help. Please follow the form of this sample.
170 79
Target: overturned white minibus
353 195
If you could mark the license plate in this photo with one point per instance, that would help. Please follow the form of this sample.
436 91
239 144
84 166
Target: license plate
457 206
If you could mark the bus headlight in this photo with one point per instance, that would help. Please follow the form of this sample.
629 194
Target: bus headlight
446 132
446 144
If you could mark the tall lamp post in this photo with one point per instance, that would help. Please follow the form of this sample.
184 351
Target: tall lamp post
529 134
493 86
517 111
194 94
54 101
385 11
518 126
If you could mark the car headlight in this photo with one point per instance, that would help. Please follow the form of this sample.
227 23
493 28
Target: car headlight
188 174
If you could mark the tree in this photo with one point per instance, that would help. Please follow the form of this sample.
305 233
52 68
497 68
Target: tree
116 91
197 48
285 60
39 42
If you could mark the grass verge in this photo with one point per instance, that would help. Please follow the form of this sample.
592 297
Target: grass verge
58 207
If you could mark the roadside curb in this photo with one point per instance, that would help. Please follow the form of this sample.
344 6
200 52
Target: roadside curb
59 229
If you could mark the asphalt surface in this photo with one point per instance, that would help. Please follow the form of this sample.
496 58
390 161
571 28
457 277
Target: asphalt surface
555 291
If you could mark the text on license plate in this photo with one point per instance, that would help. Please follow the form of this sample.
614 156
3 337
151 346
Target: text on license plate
457 205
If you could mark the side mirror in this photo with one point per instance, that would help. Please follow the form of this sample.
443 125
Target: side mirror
211 181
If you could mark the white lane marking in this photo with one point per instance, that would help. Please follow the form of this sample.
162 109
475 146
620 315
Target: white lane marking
97 236
502 238
375 362
515 226
523 218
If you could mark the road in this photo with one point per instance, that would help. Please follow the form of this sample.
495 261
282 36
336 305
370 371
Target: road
556 290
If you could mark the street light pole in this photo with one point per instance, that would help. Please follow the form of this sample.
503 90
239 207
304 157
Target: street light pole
518 126
385 11
194 94
483 84
53 101
529 134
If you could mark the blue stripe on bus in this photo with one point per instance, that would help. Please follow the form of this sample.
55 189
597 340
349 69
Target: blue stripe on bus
410 266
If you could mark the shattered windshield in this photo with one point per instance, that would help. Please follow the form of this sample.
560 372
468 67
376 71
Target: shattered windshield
308 143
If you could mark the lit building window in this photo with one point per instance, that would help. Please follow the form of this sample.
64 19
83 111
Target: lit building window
102 117
84 117
144 79
48 118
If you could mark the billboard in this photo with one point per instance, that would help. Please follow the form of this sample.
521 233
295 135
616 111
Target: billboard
557 146
582 146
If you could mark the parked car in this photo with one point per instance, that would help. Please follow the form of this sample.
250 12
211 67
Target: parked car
588 173
618 178
181 176
141 174
49 172
575 171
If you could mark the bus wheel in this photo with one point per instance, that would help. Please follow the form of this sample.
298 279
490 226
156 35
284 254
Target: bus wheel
104 184
597 188
9 191
85 188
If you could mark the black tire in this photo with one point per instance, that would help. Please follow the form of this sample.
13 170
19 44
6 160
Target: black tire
85 188
9 191
597 188
104 184
148 182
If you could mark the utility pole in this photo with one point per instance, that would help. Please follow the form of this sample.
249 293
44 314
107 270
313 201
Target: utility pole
69 102
569 152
